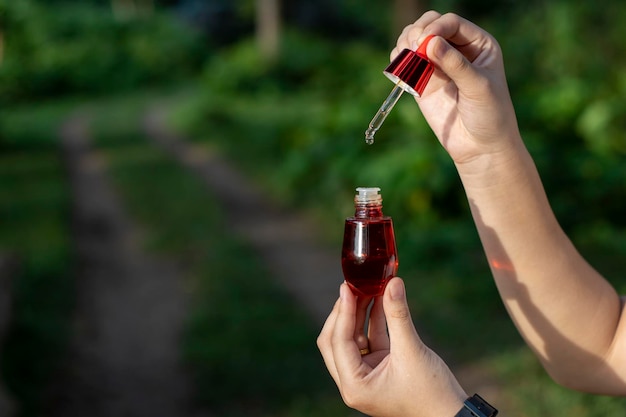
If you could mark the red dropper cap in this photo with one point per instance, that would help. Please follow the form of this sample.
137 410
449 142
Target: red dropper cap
411 70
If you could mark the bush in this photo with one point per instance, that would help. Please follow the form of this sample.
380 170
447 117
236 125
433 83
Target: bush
83 50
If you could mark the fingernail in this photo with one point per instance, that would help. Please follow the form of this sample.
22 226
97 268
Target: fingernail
397 290
438 49
342 292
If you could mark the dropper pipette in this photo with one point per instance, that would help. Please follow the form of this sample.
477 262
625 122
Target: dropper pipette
382 113
410 71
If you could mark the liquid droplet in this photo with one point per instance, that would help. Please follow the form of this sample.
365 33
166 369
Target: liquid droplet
369 136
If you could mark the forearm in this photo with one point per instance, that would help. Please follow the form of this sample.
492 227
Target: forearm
566 311
563 308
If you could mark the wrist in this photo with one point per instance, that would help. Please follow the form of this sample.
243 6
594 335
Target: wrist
496 168
450 404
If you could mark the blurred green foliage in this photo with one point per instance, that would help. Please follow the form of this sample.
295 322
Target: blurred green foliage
34 219
296 125
78 49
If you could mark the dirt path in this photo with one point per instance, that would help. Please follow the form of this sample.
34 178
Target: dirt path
310 271
124 357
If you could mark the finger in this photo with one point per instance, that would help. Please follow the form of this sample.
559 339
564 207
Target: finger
466 36
402 334
361 315
326 331
324 342
377 332
346 356
456 66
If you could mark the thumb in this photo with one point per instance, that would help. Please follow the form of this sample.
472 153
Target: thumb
402 333
453 63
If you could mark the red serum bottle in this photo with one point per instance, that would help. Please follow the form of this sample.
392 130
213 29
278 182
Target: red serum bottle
369 257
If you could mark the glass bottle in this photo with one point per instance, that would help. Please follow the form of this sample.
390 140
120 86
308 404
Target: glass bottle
369 258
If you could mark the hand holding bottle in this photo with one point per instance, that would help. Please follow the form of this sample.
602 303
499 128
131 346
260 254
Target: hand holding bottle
400 376
466 102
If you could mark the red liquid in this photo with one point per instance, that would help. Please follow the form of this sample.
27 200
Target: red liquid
369 257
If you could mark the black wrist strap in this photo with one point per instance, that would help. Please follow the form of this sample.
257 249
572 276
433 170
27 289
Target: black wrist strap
476 406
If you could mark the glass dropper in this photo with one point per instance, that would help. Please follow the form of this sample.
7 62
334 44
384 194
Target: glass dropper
410 71
382 113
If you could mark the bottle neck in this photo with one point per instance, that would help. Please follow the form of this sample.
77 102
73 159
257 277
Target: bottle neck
368 210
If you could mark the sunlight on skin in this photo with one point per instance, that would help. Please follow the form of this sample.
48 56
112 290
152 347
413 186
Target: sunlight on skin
502 266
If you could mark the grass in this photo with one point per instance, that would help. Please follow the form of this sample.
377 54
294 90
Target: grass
34 213
531 393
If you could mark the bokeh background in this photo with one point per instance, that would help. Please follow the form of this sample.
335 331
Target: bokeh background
284 91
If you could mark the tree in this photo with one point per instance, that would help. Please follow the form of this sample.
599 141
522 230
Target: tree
128 9
268 25
405 12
